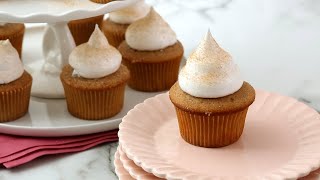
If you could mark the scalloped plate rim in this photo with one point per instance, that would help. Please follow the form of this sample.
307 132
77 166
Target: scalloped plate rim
133 174
119 166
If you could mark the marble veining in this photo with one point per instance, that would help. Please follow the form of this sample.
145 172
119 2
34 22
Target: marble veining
111 149
275 43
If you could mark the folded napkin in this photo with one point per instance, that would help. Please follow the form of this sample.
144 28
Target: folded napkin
18 150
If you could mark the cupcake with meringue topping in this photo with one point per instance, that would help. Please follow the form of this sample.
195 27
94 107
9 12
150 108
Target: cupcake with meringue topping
211 99
118 21
152 53
14 32
94 82
15 84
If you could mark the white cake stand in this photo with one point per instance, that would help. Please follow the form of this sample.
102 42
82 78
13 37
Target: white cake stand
58 41
50 117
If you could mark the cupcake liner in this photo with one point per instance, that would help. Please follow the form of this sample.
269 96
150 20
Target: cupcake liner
82 29
16 39
211 130
114 35
101 1
94 104
152 77
14 102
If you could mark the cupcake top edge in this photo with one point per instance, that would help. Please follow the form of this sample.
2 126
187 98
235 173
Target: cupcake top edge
2 23
96 58
151 33
11 67
210 71
131 13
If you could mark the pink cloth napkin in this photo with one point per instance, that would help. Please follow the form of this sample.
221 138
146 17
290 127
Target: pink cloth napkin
18 150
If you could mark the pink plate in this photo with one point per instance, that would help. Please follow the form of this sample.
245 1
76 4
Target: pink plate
281 140
120 171
135 171
130 168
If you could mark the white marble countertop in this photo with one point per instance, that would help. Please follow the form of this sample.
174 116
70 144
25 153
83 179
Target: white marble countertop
276 44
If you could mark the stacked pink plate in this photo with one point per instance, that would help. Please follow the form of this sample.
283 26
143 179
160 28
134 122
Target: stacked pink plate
281 140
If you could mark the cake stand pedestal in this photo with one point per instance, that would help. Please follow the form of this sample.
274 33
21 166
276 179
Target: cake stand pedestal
58 41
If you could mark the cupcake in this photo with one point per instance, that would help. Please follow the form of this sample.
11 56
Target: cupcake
14 32
116 25
94 82
102 1
15 84
152 53
81 29
211 99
